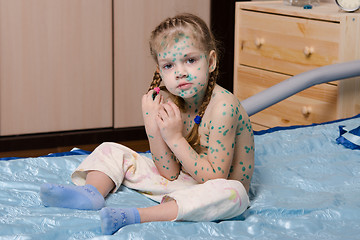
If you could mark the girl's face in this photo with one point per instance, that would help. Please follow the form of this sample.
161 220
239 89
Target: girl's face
184 68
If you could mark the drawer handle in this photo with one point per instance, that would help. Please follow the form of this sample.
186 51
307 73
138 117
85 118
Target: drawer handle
259 42
308 51
306 111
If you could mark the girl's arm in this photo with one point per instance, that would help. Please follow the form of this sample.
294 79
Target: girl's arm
216 162
162 156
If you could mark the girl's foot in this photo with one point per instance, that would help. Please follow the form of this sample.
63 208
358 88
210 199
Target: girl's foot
68 196
112 219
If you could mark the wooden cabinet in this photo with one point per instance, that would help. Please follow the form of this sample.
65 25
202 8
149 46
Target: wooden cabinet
78 64
274 42
134 66
55 65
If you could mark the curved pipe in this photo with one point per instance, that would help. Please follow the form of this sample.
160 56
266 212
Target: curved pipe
298 83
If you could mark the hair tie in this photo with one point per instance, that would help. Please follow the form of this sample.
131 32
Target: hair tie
197 119
157 90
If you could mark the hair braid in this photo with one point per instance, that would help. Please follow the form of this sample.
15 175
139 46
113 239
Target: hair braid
156 80
193 137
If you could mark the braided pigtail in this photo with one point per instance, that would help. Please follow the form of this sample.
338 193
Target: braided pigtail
193 137
156 80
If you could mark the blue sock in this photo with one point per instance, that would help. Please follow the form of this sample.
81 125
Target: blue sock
112 219
68 196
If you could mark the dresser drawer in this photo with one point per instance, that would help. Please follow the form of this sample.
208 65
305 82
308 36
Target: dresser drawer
285 44
313 105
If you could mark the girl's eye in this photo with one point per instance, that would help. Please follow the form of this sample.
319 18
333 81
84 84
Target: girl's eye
167 66
191 60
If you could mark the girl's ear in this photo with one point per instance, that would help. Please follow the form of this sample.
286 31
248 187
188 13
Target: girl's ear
212 61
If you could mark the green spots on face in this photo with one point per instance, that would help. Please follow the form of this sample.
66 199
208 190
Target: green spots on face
195 164
175 145
173 177
196 172
150 136
224 113
243 168
190 77
225 132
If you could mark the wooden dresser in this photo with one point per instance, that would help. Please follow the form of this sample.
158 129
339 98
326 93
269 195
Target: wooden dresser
274 42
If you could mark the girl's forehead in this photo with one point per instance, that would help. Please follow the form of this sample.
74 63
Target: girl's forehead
178 41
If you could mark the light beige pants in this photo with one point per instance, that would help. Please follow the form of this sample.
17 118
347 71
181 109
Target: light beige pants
216 199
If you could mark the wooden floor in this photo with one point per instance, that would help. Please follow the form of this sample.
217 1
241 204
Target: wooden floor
138 145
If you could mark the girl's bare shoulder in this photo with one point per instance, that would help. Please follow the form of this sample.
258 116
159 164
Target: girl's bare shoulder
222 98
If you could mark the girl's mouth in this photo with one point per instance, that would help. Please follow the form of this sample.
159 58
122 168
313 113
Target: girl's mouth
184 86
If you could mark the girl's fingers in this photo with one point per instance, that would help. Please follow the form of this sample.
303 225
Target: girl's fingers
175 108
169 110
163 114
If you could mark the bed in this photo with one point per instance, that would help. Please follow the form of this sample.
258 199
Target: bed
306 185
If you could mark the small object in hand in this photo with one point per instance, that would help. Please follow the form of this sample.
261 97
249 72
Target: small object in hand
197 119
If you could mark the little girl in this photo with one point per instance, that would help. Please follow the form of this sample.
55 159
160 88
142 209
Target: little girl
200 138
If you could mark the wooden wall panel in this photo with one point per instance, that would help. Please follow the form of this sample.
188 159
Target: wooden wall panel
55 65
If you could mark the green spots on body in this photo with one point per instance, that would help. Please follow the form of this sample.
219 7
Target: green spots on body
248 149
150 136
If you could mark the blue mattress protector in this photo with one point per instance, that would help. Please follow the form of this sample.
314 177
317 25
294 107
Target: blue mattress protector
305 186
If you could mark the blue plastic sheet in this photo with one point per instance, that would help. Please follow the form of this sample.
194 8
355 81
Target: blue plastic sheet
305 186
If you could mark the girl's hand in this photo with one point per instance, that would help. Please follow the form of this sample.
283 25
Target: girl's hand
150 110
169 122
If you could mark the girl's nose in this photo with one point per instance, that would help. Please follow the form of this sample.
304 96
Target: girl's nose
181 73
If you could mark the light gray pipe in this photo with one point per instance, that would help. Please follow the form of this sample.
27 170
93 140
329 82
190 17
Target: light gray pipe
298 83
